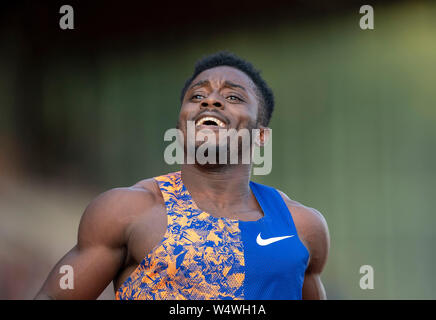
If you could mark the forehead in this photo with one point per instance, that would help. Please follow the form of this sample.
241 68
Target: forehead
218 75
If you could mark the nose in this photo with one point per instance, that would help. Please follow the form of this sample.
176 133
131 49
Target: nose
213 102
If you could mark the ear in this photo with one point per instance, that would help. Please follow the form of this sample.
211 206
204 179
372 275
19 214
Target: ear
262 136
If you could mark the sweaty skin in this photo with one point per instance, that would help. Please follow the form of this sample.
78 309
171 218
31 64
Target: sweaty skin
121 226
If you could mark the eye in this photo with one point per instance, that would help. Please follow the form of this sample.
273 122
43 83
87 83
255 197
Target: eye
197 97
234 98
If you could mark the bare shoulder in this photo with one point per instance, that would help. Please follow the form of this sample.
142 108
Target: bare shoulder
305 216
107 217
312 229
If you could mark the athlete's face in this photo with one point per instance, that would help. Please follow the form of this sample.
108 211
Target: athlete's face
220 98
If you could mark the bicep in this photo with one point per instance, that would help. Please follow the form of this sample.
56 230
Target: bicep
313 289
83 273
86 270
317 240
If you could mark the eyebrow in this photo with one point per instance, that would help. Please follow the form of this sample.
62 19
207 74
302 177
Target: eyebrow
227 84
230 84
200 84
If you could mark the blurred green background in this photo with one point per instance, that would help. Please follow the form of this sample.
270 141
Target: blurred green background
354 128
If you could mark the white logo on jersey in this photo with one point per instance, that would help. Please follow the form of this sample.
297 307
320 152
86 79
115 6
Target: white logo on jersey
265 242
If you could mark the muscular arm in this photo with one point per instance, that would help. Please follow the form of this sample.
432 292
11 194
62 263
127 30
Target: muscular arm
313 231
99 252
318 243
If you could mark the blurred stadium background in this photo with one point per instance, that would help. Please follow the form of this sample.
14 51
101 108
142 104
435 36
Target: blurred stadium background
85 110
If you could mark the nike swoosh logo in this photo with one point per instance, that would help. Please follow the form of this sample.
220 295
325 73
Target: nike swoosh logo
265 242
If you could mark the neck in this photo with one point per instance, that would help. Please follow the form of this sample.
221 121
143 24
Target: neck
222 187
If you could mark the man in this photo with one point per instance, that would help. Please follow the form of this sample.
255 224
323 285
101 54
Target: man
206 232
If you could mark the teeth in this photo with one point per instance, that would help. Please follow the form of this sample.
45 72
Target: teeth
217 121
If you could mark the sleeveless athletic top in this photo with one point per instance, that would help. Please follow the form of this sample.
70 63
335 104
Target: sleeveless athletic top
204 257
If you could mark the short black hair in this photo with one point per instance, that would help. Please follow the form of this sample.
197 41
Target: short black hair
225 58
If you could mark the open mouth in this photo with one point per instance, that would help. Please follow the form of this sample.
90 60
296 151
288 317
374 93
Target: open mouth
210 122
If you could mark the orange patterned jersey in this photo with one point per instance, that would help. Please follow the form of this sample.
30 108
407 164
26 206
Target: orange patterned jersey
204 257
